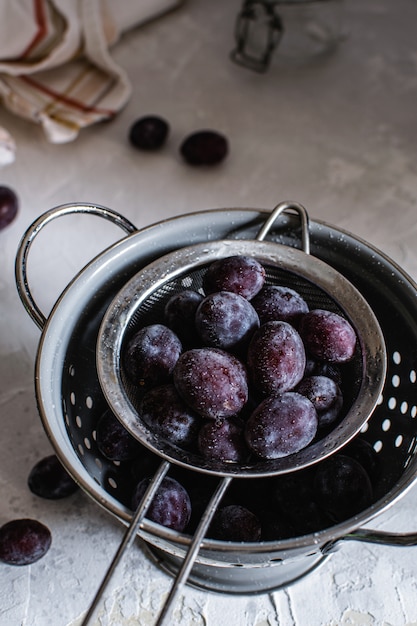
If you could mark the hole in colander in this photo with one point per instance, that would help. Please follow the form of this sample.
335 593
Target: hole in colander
89 402
398 441
404 407
396 357
392 403
395 381
386 425
378 445
413 376
78 421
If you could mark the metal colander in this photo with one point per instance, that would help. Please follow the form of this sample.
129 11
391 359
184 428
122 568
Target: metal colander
71 401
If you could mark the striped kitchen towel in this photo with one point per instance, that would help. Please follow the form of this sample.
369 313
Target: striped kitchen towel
56 66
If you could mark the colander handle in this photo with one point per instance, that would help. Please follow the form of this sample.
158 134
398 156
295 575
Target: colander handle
383 538
34 229
379 537
292 207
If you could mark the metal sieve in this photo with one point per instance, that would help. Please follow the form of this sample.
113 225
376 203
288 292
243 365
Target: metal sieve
70 399
141 301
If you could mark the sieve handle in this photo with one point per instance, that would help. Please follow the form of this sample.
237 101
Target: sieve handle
288 206
34 229
190 557
128 538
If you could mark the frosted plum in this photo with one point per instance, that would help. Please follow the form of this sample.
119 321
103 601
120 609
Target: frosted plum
180 314
325 395
171 505
275 302
239 274
226 320
212 382
24 541
113 440
328 336
222 440
151 354
49 479
235 523
342 487
167 415
276 358
281 425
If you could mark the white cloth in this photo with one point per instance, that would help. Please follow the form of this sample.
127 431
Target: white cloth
55 64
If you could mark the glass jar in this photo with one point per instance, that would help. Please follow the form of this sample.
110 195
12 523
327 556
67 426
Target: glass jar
296 29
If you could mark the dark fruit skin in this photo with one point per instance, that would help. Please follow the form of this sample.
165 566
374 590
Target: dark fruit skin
325 395
49 479
342 487
281 425
291 496
204 147
212 382
274 302
239 274
363 452
235 523
179 315
171 505
24 541
276 358
113 440
9 205
275 526
226 320
167 415
321 368
149 133
328 336
222 440
151 354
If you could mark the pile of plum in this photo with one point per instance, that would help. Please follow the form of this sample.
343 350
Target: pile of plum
242 372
